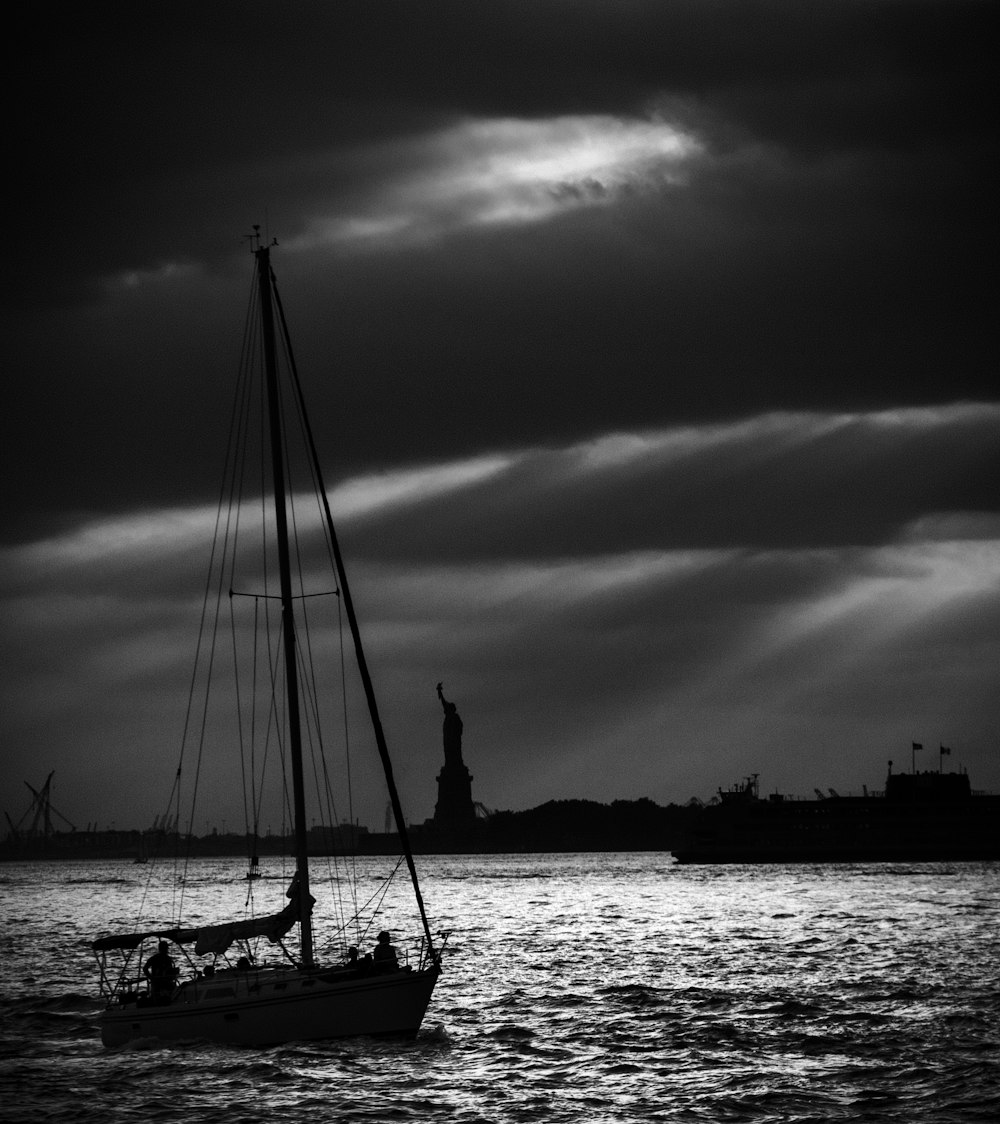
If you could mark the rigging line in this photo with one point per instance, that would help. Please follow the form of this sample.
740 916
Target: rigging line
235 473
254 672
317 744
271 656
355 632
151 866
305 654
346 857
378 894
241 474
250 818
310 689
259 797
353 880
276 720
276 640
317 489
228 463
256 384
240 738
236 462
376 901
309 671
317 749
241 489
277 596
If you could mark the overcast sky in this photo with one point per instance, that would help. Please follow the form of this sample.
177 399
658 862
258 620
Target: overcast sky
652 349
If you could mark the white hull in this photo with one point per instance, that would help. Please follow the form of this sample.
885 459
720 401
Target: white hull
259 1008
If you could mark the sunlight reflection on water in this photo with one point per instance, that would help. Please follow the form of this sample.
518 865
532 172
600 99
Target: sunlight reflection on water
577 989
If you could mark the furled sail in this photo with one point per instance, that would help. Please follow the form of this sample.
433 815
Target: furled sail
209 938
215 938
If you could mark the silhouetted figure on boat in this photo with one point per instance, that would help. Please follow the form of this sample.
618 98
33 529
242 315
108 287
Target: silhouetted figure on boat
385 954
160 971
452 731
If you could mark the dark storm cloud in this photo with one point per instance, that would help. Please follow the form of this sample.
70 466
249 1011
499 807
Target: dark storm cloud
651 350
506 338
141 131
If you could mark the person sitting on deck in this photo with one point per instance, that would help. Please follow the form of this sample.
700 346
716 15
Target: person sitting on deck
160 971
385 954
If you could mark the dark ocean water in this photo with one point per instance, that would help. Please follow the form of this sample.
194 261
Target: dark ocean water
577 988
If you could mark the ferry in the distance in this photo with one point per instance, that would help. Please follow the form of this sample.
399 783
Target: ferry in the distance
919 817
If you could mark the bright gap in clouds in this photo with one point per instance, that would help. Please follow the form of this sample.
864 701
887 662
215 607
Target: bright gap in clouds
476 174
367 493
507 171
155 533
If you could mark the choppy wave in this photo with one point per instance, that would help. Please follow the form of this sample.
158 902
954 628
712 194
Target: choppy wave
578 990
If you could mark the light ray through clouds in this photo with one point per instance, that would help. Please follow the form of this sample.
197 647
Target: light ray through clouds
806 688
365 494
659 657
483 173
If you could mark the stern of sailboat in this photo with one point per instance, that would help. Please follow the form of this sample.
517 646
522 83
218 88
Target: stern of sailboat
273 1006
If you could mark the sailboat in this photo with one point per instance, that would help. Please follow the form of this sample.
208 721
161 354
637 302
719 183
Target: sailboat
225 990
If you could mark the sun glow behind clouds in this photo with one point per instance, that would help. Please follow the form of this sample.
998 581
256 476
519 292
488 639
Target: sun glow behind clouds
508 171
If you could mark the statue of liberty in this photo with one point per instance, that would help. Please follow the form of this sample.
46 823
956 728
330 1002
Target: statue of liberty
454 812
451 730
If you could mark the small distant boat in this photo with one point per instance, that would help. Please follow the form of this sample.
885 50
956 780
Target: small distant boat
299 997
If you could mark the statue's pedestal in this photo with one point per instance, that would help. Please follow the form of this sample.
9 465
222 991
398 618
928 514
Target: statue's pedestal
454 806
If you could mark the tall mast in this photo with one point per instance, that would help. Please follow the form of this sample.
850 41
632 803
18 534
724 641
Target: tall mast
359 651
262 255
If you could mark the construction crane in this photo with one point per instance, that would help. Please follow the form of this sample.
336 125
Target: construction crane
40 811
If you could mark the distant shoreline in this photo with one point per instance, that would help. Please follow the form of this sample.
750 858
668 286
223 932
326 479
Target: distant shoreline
840 829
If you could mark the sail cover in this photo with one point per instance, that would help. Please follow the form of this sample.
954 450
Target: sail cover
209 938
217 938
